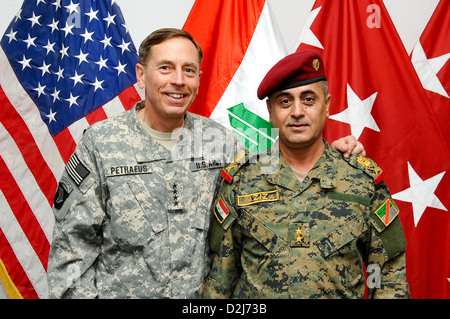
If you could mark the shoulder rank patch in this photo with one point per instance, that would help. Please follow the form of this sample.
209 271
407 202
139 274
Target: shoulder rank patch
221 211
76 170
387 212
368 166
229 171
270 196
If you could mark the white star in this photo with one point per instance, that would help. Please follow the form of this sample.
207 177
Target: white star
39 1
68 29
307 36
25 62
101 63
44 68
51 116
30 41
87 35
63 51
110 19
92 15
427 69
56 95
126 28
421 193
40 89
34 19
124 46
82 57
72 7
120 68
72 100
57 4
49 46
106 42
11 35
59 73
18 15
97 84
77 78
54 25
358 113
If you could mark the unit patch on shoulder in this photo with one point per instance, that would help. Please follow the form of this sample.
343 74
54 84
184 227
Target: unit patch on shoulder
387 212
76 170
221 211
270 196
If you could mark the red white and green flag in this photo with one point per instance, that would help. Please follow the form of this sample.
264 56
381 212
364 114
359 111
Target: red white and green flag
241 42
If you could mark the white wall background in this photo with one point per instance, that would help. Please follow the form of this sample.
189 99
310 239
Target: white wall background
144 16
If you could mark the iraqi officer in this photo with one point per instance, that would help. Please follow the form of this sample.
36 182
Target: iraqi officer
306 227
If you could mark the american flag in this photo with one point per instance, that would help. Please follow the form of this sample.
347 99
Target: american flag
64 64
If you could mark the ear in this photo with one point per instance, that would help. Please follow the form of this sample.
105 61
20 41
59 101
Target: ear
140 71
328 103
269 108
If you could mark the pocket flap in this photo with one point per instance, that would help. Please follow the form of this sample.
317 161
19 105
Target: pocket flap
264 235
341 236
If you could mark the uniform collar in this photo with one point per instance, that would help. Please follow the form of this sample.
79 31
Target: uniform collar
324 170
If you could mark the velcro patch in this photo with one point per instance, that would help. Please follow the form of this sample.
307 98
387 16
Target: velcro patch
387 212
76 170
221 211
270 196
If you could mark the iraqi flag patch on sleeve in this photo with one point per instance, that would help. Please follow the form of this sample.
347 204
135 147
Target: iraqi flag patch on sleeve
221 211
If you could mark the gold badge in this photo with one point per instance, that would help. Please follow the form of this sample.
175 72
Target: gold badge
363 161
316 64
298 234
271 196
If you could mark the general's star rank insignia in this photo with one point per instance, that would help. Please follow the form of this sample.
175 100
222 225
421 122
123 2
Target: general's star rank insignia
299 235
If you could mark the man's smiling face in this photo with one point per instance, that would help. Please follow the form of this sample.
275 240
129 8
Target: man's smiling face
171 77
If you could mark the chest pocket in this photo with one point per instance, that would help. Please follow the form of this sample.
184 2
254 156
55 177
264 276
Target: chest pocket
341 236
133 222
261 233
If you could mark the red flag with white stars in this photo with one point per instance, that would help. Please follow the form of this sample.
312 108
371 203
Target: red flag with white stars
378 97
431 59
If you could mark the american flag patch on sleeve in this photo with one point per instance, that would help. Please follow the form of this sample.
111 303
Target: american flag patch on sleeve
76 170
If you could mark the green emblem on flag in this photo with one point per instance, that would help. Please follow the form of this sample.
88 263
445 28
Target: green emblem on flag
256 133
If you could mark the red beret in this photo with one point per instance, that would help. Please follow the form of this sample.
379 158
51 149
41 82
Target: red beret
297 69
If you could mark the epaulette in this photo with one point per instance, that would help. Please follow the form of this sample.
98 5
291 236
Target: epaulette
368 166
239 160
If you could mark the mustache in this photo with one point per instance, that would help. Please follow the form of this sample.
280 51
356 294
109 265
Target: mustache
297 122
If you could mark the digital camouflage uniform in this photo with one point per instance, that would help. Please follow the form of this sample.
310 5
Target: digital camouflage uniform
131 218
275 237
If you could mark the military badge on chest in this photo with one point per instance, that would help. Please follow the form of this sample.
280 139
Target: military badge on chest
175 197
299 235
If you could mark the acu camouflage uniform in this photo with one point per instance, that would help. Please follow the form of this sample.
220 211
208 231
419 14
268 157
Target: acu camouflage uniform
275 237
131 219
